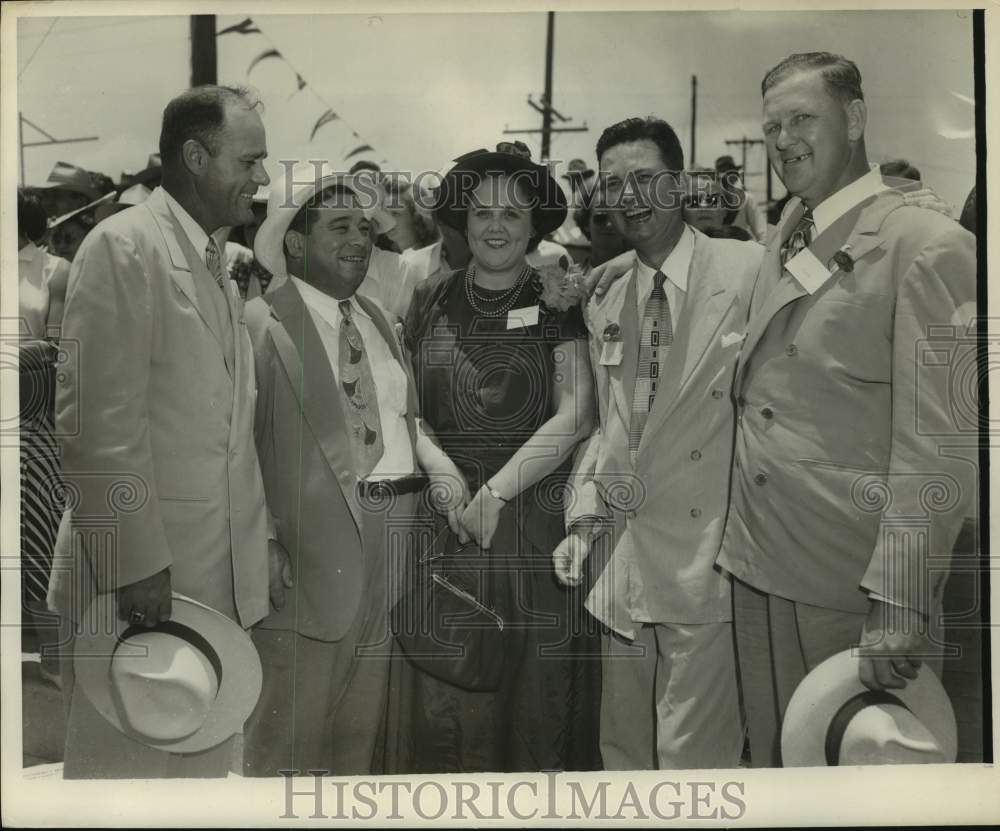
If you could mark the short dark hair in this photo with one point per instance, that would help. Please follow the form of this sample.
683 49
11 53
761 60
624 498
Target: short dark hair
650 128
900 169
841 76
31 219
727 231
199 113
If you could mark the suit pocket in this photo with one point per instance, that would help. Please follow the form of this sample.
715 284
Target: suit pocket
612 353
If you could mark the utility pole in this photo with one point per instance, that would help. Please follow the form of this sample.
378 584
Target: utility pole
694 115
204 67
744 143
545 105
22 144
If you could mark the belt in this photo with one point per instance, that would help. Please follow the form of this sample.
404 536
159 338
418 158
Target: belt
391 487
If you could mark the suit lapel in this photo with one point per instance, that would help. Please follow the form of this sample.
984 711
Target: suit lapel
857 232
774 289
709 296
621 376
187 264
304 357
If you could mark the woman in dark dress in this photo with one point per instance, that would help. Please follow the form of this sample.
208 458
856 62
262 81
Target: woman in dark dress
500 358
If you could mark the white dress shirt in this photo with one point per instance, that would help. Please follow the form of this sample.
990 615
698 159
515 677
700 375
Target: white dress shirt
195 233
834 207
675 267
392 278
389 377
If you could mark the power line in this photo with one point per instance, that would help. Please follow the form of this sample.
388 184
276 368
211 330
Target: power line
32 56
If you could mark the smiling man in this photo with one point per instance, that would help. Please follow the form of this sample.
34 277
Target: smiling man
654 474
156 401
344 462
844 423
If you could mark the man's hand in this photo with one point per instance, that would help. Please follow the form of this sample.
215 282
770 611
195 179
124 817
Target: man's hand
892 641
602 276
449 493
569 557
279 568
927 198
146 602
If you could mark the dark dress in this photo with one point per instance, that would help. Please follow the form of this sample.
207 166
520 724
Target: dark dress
484 390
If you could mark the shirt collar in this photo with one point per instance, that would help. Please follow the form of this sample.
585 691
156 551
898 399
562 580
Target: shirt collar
28 253
193 231
322 304
676 265
834 207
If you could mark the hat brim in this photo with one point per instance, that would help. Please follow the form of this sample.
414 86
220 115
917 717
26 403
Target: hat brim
450 207
269 244
834 682
59 220
239 685
88 193
579 174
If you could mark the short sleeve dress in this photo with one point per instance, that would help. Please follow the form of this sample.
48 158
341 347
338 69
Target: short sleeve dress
485 385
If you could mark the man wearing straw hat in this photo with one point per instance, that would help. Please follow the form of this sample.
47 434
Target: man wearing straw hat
344 461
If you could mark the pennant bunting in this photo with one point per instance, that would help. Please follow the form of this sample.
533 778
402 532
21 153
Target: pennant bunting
326 118
263 56
362 149
245 27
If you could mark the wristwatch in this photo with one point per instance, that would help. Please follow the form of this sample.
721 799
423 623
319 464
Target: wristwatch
495 493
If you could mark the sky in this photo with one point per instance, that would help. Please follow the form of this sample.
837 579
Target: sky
422 89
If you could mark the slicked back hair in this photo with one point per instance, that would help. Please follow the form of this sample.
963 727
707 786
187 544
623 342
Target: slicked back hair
841 76
199 113
651 129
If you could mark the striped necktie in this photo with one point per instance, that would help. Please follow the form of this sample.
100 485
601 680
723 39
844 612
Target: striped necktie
354 373
800 238
656 337
213 259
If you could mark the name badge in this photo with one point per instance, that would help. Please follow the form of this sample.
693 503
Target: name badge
808 270
522 318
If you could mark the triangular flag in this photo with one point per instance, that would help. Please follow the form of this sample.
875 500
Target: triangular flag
263 56
245 27
326 118
361 149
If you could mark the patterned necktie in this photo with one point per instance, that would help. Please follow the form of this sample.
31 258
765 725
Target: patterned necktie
213 259
355 376
800 238
657 335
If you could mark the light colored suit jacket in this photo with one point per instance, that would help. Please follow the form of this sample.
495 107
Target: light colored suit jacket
856 441
154 409
670 505
305 455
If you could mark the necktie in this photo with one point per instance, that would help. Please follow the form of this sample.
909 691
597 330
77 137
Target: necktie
213 259
355 376
656 337
800 238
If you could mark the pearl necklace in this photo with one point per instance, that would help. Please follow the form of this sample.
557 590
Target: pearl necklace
506 300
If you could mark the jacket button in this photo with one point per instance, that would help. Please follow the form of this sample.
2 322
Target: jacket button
630 515
696 512
760 478
695 455
791 350
767 412
717 393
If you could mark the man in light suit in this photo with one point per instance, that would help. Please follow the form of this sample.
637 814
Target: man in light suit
344 460
656 469
850 481
155 407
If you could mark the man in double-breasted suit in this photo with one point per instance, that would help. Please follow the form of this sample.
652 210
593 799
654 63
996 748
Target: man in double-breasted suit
656 469
851 476
154 410
344 462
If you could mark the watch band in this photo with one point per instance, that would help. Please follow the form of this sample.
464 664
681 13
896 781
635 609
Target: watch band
495 493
